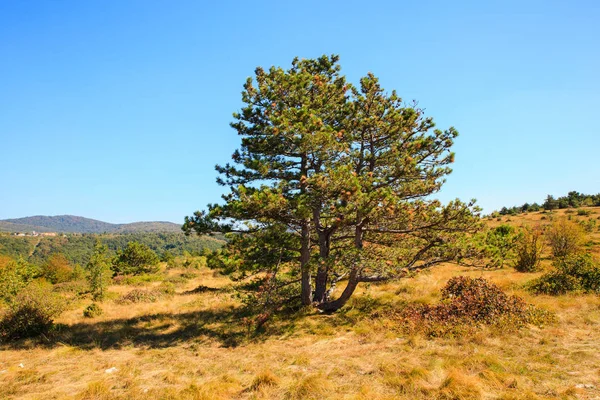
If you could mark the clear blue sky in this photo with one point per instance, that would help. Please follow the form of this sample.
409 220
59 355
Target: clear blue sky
119 110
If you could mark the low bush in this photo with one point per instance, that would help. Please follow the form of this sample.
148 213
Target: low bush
468 303
528 250
93 311
578 273
76 288
31 314
148 295
141 296
565 238
182 278
58 269
137 280
167 288
14 276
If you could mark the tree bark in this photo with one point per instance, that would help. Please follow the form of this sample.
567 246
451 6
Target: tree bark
320 295
332 306
304 265
353 279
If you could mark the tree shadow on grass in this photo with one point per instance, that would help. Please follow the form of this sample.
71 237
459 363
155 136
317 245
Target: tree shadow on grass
225 326
161 330
154 330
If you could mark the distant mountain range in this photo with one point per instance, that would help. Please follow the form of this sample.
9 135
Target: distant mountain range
74 224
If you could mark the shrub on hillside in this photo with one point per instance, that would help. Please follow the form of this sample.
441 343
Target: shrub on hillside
141 296
31 314
148 295
76 288
565 238
468 303
136 258
14 276
99 272
57 269
501 243
93 311
576 273
528 250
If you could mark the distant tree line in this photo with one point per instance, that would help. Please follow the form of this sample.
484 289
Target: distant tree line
572 200
78 248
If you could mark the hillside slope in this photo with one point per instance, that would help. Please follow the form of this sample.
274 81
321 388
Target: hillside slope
76 224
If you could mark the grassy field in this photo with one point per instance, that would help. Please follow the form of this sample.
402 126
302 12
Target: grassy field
192 346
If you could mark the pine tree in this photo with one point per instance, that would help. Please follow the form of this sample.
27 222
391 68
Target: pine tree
99 272
333 183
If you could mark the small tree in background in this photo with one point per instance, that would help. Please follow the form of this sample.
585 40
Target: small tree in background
14 276
550 203
99 272
57 269
501 241
169 258
135 259
528 249
565 238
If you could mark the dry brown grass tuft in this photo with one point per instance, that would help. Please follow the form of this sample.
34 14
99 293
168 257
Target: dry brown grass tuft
264 379
309 387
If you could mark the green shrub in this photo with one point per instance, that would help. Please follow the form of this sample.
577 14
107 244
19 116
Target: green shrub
136 258
31 314
578 273
167 288
73 287
589 225
138 280
500 243
14 276
99 272
93 311
528 250
556 283
583 212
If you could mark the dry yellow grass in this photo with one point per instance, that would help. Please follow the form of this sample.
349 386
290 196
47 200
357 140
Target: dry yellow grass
190 346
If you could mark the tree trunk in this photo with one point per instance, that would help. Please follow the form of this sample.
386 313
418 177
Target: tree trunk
353 279
332 306
320 295
304 265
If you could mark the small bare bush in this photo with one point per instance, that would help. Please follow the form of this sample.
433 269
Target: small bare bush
148 295
528 250
565 238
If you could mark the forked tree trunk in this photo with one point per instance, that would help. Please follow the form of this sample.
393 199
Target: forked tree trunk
338 303
353 280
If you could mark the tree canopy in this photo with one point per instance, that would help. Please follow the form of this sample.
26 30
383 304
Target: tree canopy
136 258
332 182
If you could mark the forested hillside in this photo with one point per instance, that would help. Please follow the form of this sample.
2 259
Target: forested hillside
74 224
79 247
